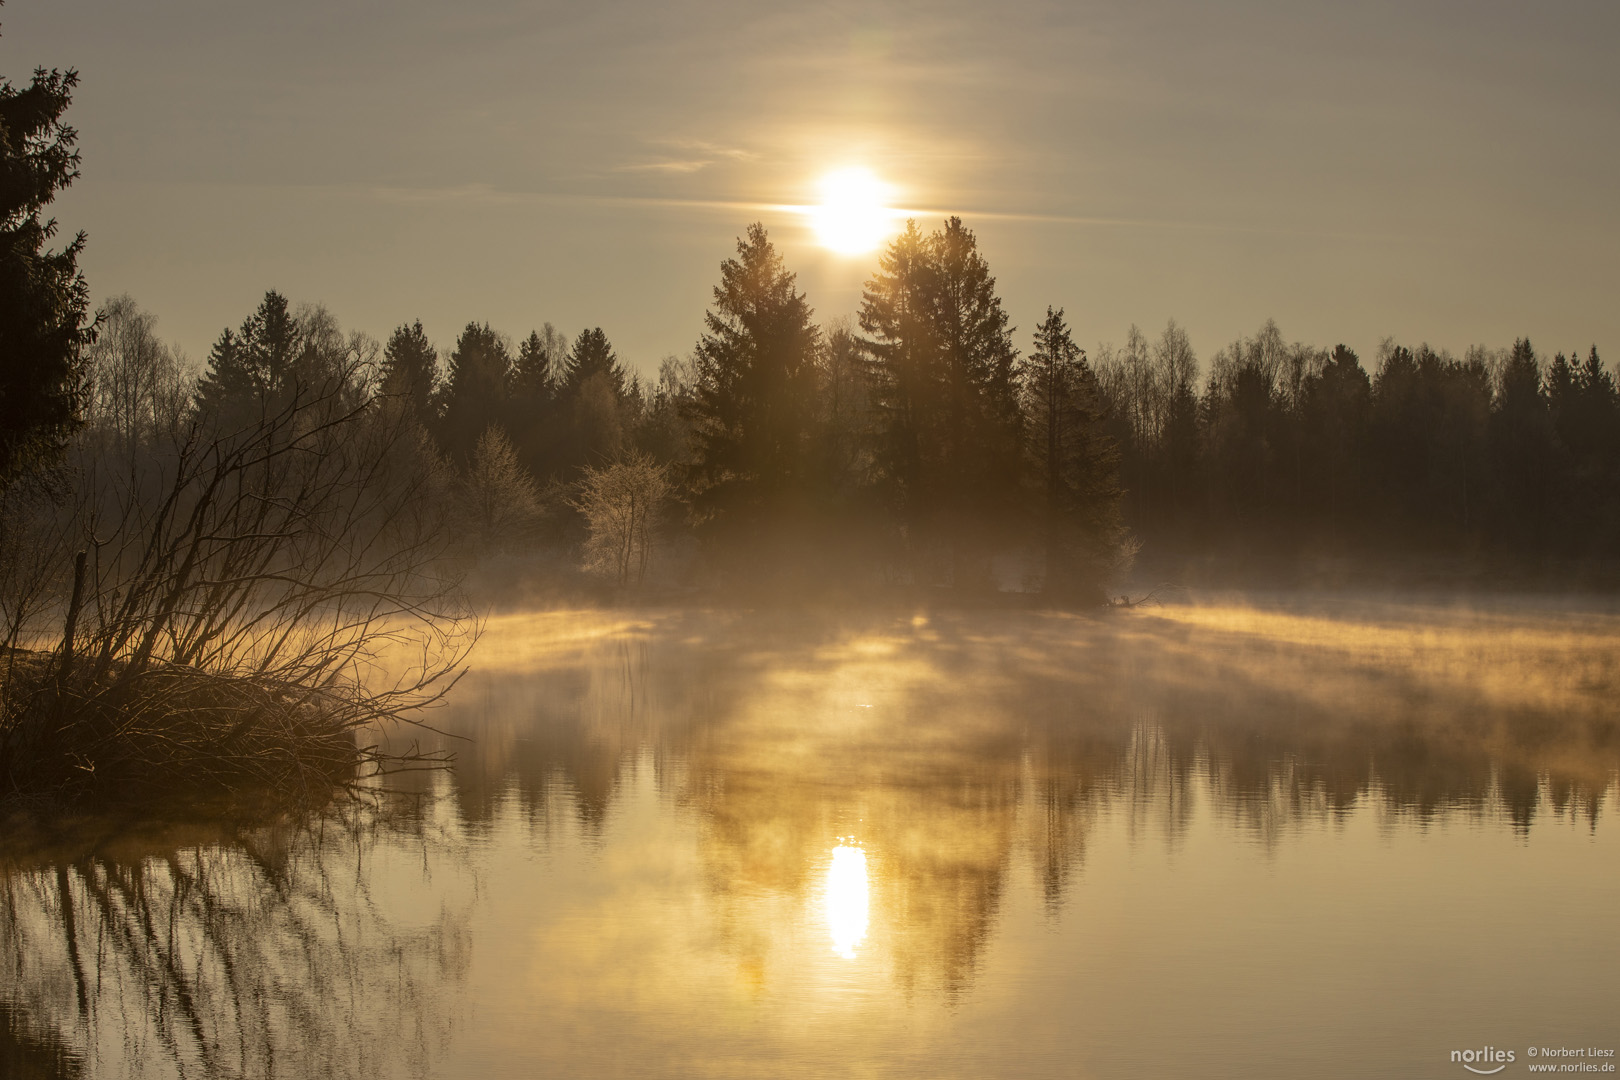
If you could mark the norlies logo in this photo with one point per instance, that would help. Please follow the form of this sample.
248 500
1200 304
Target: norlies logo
1481 1061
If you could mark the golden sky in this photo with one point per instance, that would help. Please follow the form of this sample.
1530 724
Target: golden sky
1440 171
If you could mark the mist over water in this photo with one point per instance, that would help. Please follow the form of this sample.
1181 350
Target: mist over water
1276 838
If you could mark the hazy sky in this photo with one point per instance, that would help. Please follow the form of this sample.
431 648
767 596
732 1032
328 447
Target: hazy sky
1441 171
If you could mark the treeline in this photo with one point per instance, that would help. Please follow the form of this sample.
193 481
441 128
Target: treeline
1284 449
919 447
916 444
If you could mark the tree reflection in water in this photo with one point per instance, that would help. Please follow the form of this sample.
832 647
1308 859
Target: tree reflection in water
949 742
227 953
714 774
30 1053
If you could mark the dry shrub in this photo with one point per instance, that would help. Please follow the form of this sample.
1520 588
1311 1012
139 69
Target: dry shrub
245 602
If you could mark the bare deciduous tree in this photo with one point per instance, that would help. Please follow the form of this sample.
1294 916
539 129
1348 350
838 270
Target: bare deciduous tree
138 387
502 501
621 503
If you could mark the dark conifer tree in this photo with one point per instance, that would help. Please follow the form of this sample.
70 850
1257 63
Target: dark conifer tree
753 409
1522 449
1458 474
982 432
410 371
476 389
593 403
537 364
250 371
592 355
1399 438
1245 429
943 375
1596 383
1076 464
1427 479
846 414
44 301
1560 384
1584 406
272 341
896 314
227 377
1335 408
534 425
1586 415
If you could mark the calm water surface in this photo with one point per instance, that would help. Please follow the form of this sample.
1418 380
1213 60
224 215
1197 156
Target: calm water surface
1335 840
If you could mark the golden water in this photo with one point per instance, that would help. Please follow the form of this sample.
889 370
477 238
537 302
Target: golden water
1281 839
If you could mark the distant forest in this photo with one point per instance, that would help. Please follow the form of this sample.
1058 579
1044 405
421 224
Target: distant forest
918 443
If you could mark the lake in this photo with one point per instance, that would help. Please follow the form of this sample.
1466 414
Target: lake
1282 838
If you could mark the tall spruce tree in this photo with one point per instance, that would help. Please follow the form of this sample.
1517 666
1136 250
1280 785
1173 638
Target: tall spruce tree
1522 449
846 414
1586 416
895 314
593 404
592 354
535 430
410 371
539 362
251 371
943 363
44 301
1334 410
476 389
1076 464
753 411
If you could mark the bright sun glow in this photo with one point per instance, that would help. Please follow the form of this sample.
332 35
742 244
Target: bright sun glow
846 900
852 217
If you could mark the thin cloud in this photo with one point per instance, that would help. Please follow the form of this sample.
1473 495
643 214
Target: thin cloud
667 166
690 156
489 195
708 150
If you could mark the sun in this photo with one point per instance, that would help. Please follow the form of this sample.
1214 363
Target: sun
852 218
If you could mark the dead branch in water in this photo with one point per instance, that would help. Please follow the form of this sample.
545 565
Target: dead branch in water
1153 596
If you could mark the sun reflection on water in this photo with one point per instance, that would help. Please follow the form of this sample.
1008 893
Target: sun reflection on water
847 899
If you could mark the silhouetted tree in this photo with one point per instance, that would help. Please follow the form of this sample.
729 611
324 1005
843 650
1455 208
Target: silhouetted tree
1426 448
1334 410
1152 395
277 355
1136 400
534 420
137 387
1586 417
943 374
1246 433
1176 465
592 354
595 404
1076 464
896 309
44 301
476 389
847 432
665 430
249 371
1522 447
753 406
410 371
